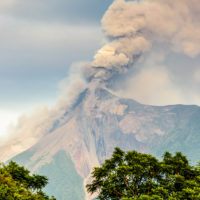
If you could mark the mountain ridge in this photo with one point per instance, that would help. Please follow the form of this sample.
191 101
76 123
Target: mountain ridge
98 121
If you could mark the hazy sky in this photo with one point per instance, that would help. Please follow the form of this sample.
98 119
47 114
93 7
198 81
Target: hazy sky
39 41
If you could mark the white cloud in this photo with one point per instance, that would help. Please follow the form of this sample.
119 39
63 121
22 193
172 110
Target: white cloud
7 118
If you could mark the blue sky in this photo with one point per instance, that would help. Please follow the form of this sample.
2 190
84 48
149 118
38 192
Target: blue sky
39 42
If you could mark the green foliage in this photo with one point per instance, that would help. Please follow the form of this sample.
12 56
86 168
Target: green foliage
64 180
132 175
16 183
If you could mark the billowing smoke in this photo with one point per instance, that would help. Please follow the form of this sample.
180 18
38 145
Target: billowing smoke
133 27
31 127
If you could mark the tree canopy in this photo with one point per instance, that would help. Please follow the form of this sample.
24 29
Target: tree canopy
132 175
16 183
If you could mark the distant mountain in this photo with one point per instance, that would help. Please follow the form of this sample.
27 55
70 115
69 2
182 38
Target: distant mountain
86 134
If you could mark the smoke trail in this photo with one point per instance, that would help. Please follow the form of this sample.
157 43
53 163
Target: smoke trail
133 27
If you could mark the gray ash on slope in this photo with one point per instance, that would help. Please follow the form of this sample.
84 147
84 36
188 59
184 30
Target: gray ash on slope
99 121
85 133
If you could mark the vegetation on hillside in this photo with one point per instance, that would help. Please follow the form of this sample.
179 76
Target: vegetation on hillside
137 176
16 183
64 181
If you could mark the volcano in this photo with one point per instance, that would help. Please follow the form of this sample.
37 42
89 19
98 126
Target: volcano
97 122
67 142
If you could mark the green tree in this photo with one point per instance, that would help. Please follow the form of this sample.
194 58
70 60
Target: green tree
16 183
133 175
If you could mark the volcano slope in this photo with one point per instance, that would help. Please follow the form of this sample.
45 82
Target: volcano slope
87 133
66 145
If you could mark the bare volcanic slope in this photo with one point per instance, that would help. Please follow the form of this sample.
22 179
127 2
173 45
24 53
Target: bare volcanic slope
97 122
66 145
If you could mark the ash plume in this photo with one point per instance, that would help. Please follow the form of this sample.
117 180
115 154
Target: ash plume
131 29
134 26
